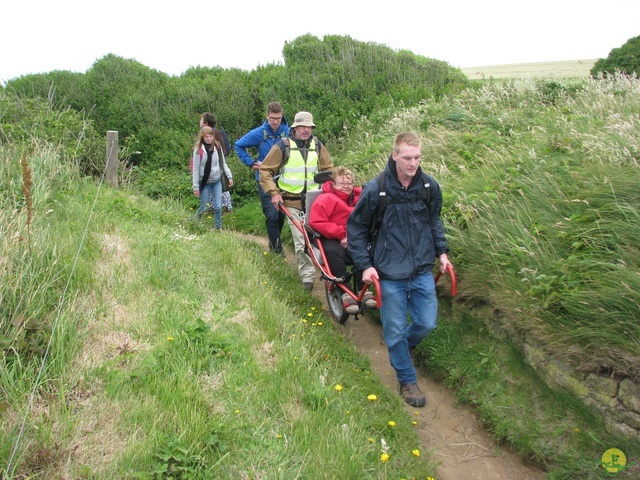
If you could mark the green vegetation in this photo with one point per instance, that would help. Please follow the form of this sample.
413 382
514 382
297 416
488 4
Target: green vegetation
179 351
541 208
157 115
625 59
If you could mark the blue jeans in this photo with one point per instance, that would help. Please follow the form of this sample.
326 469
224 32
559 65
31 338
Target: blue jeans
211 197
417 296
274 220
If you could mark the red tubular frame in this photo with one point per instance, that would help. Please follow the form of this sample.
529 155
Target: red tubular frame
325 271
453 279
327 276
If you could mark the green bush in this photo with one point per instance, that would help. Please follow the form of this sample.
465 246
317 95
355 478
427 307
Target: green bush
157 115
625 59
29 123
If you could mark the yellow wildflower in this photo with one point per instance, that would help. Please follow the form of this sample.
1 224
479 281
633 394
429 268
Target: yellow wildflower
391 423
338 388
372 397
416 452
169 339
384 457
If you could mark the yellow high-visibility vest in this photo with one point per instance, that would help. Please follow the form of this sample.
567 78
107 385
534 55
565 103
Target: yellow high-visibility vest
296 173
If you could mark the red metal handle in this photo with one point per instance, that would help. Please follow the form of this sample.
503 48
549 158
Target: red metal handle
365 287
453 279
287 214
376 284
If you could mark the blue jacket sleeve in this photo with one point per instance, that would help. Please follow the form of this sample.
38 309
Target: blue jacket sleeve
253 139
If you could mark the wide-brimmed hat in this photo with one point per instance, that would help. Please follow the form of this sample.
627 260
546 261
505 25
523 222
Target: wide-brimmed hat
304 119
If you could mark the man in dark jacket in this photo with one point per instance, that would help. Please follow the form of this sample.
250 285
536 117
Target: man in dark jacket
262 138
402 255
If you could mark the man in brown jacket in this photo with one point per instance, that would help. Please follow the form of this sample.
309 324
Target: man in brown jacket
287 174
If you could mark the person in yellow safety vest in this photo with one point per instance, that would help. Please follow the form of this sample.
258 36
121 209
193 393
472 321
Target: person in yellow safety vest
287 174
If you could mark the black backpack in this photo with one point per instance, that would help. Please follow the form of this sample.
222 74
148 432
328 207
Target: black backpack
226 146
425 196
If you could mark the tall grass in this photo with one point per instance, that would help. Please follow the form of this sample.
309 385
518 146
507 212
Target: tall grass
541 206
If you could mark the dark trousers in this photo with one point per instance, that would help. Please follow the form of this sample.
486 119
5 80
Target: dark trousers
338 258
274 220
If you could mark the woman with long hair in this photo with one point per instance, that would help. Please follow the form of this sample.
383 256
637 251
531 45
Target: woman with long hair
209 166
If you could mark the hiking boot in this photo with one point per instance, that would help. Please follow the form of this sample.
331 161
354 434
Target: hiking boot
412 395
308 286
369 300
350 305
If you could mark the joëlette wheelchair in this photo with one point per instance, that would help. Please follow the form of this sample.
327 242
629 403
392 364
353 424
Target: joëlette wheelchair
334 286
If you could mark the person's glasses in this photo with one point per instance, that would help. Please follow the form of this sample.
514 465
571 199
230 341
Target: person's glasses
274 119
344 184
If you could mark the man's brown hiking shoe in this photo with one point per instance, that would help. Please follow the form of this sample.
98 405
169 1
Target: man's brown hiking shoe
412 395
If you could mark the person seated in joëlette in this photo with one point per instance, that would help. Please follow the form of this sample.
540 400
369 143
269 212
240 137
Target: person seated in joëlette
328 217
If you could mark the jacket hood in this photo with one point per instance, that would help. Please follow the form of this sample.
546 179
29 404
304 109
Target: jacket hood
393 170
327 187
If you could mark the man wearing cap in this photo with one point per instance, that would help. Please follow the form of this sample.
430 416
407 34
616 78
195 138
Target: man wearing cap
287 174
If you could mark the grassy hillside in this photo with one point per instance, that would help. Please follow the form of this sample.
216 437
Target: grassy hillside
540 180
177 350
171 350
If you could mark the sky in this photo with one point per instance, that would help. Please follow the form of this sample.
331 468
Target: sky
40 36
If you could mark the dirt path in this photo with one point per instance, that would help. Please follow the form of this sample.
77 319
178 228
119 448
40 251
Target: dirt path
452 433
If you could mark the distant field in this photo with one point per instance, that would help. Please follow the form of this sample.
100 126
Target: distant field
565 69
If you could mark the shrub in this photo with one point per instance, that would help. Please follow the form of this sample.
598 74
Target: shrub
625 59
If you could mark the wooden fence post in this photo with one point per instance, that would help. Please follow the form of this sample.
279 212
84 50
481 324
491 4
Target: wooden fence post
111 169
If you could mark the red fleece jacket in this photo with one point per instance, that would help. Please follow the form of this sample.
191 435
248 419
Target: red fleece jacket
330 211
